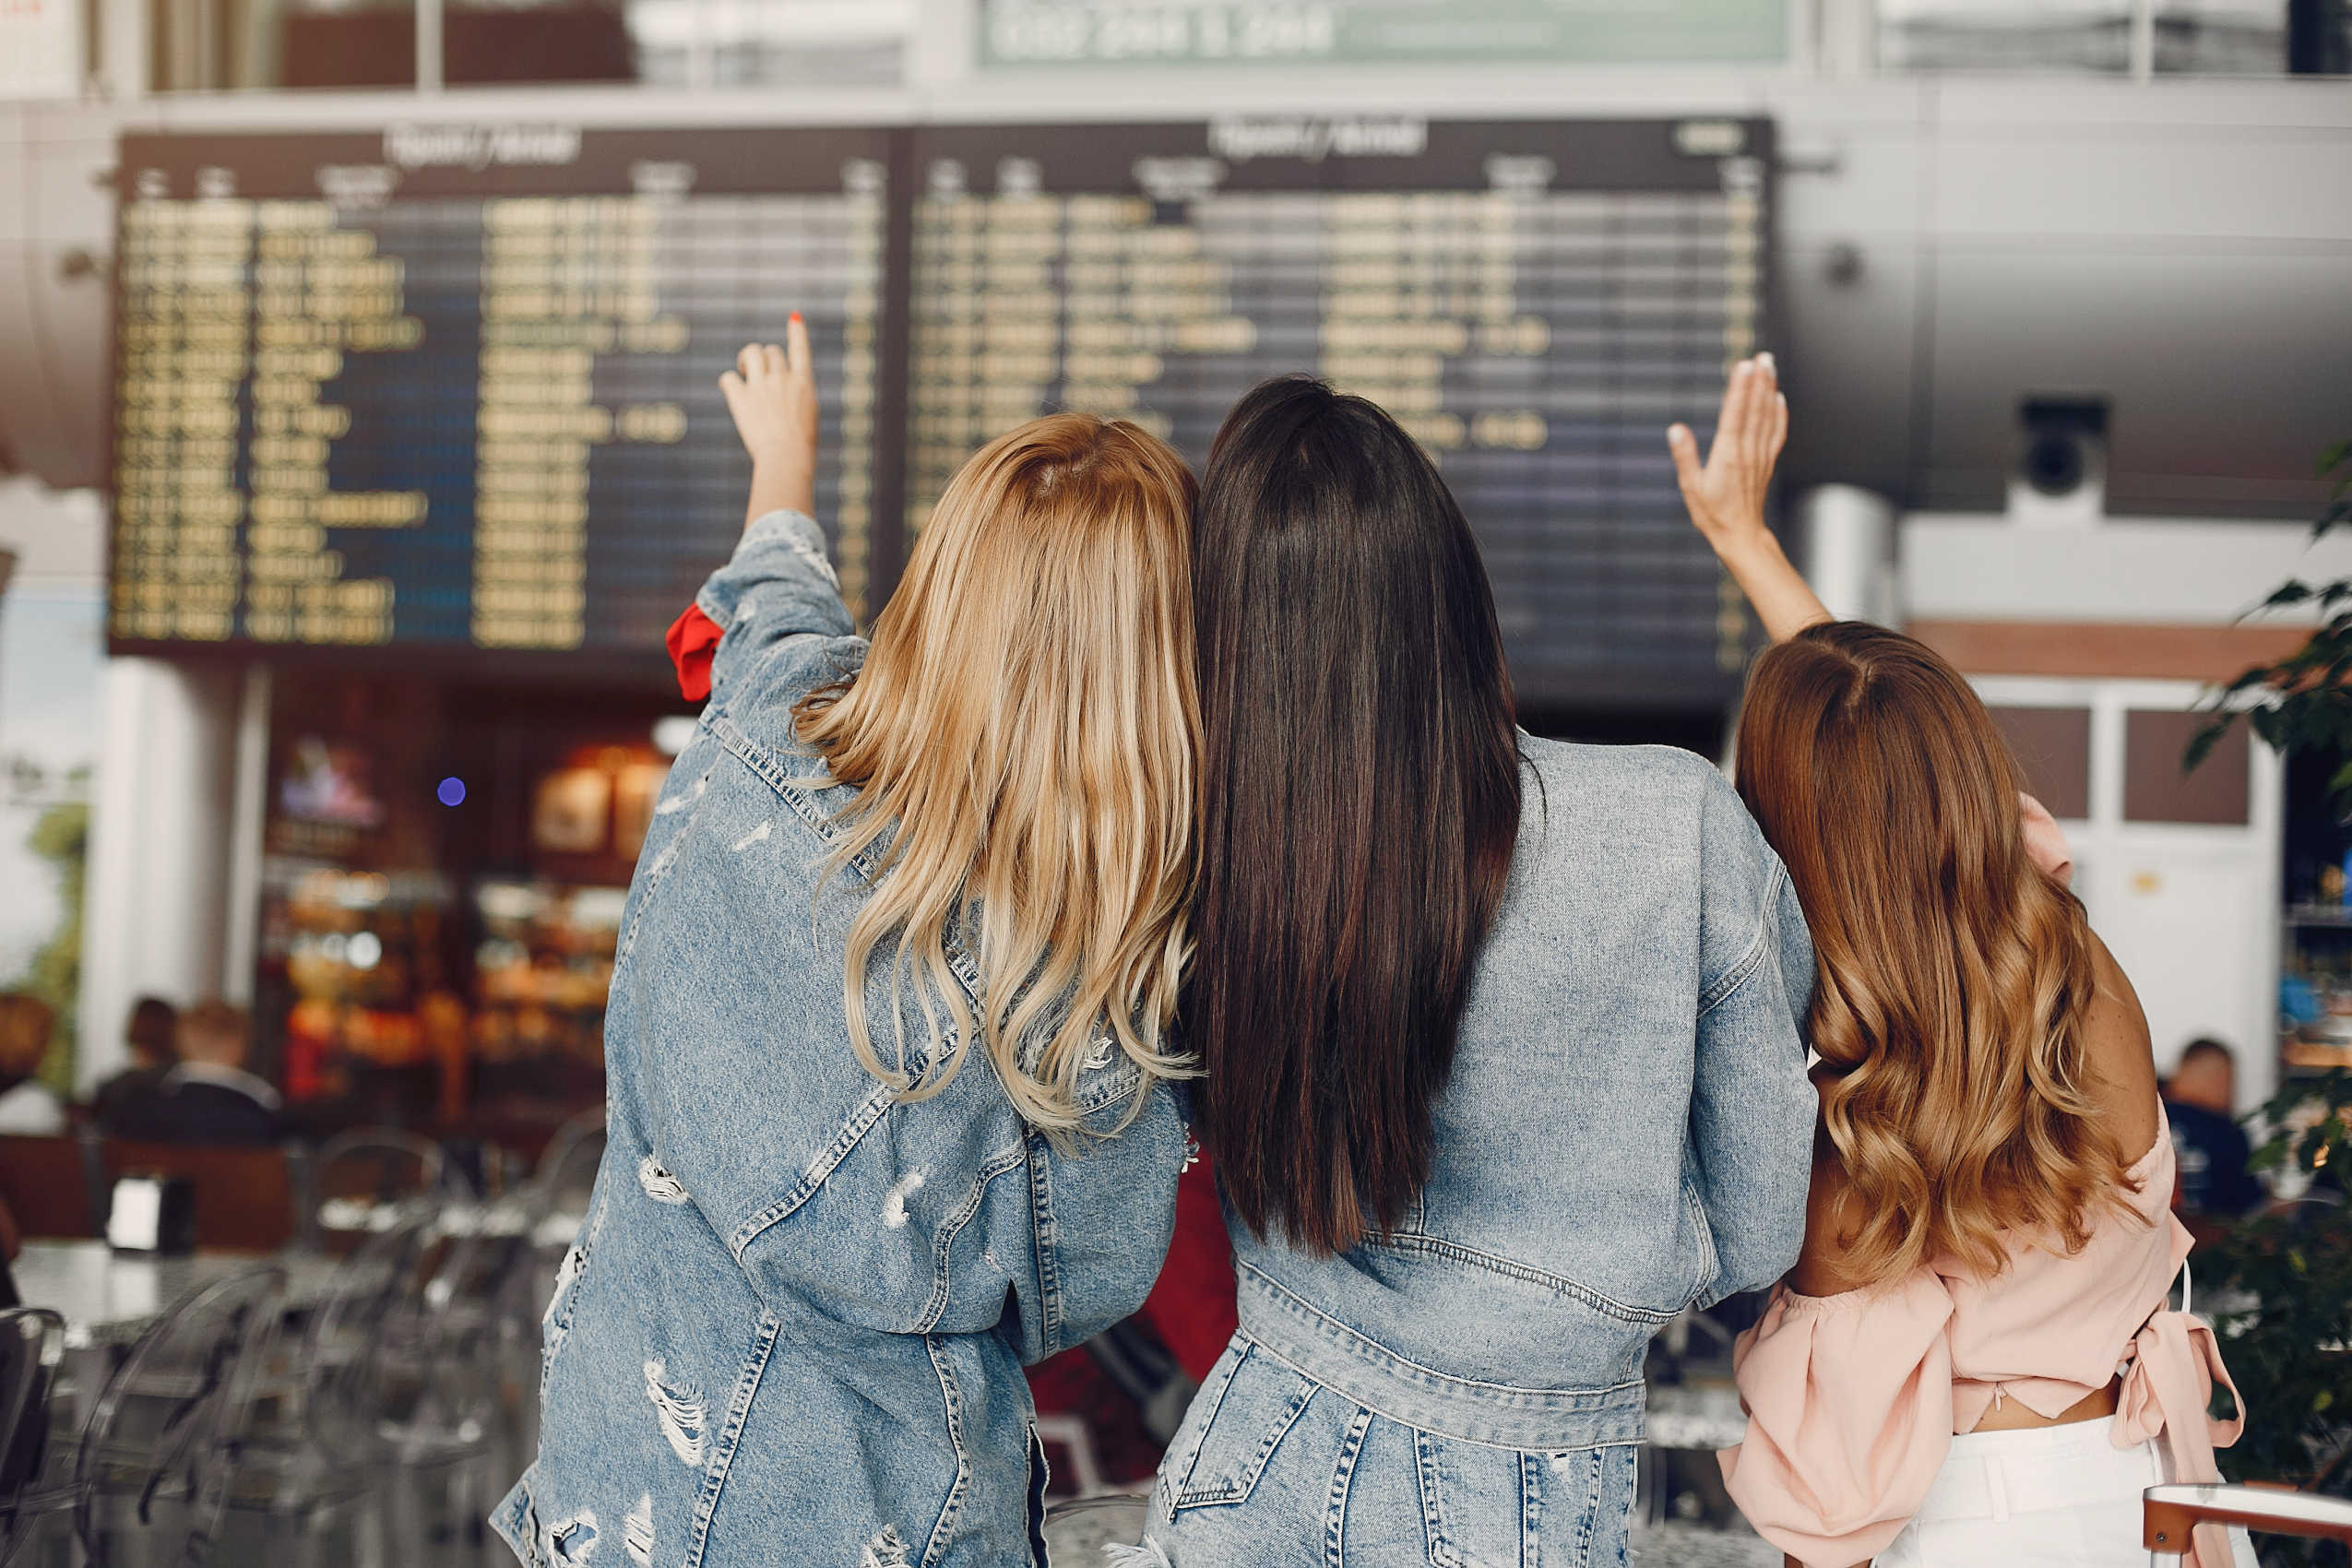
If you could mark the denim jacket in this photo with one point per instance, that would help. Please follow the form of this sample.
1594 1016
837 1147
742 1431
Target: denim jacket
792 1330
1627 1131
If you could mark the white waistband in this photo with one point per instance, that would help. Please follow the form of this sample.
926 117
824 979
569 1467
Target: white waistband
1993 1474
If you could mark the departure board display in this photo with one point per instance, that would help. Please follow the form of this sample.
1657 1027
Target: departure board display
455 387
449 390
1535 303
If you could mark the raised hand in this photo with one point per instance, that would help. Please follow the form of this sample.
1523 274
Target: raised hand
1726 495
772 395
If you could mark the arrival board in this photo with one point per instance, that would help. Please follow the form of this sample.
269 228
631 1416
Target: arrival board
1535 303
455 387
451 389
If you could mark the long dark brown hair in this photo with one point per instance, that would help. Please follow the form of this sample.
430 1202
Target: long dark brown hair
1360 778
1954 976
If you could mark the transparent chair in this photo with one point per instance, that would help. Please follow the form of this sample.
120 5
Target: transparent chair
567 1173
1077 1531
35 1505
152 1474
306 1488
410 1374
361 1178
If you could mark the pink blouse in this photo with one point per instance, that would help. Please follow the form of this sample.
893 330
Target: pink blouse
1853 1399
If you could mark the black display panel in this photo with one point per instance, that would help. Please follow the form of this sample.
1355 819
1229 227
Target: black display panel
1536 301
451 389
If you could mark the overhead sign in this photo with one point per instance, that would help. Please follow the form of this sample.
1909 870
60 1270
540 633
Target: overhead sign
1022 33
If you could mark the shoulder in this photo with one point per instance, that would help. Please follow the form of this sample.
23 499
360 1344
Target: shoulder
1655 785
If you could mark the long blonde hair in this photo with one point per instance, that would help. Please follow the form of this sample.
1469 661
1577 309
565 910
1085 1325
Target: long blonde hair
1021 739
1954 975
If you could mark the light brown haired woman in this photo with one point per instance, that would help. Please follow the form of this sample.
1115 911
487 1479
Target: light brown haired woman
1973 1362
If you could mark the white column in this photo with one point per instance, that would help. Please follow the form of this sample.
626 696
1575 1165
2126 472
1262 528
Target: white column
249 809
1847 536
159 851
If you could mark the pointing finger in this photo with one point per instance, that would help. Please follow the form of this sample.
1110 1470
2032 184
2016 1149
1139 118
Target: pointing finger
796 339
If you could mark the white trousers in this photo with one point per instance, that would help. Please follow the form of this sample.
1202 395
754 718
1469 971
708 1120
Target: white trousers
2051 1497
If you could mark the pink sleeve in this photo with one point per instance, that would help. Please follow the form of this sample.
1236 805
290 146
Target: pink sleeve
2045 842
1850 1416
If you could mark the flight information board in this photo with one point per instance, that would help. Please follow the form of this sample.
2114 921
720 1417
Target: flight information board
451 389
1535 303
455 387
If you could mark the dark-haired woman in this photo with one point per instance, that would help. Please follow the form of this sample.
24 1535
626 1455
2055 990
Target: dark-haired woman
1500 1035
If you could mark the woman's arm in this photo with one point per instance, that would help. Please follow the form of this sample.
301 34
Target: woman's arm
780 586
1726 496
772 395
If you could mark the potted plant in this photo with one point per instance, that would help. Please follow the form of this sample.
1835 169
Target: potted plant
2286 1273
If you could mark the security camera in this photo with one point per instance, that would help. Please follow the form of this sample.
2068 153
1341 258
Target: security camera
2060 477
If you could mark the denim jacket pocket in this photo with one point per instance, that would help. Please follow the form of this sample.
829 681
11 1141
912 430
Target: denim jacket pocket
1474 1501
1255 1410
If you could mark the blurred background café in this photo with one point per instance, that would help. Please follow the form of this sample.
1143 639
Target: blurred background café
358 440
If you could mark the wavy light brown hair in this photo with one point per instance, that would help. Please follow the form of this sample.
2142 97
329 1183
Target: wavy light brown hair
1954 976
1022 738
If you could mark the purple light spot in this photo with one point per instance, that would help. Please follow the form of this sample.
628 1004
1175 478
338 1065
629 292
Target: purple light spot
451 792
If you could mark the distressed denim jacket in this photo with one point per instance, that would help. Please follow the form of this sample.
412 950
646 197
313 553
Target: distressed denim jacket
1627 1133
792 1330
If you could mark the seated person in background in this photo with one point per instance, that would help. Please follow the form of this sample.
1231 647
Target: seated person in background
27 1108
208 1097
2201 1097
150 1035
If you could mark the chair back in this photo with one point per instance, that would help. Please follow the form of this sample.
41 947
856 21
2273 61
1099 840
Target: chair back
1079 1530
46 1184
356 1175
161 1438
481 1302
32 1342
568 1169
245 1194
2171 1515
373 1304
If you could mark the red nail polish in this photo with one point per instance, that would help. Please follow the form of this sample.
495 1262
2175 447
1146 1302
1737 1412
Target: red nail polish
796 315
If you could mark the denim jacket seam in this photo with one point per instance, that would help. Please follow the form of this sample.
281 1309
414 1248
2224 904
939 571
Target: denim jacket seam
944 1241
656 873
1508 1394
763 764
1041 1227
738 1409
1729 983
1179 1484
1414 1424
878 1100
1238 1489
1498 1265
952 1404
1710 1262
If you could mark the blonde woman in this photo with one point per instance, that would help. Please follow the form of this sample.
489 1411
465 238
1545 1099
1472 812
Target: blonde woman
1972 1364
887 1046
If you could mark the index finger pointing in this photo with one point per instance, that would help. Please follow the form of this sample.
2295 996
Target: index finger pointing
796 344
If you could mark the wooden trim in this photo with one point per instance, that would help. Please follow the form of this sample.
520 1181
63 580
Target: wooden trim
2107 650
